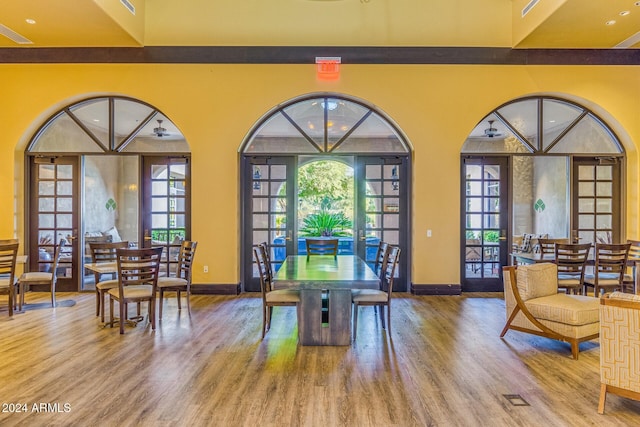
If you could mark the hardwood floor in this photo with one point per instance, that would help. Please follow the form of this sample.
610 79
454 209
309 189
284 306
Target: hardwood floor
444 366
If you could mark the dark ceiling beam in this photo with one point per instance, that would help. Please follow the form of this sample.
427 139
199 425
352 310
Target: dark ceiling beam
307 55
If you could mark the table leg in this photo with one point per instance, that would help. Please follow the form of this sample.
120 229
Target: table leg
336 327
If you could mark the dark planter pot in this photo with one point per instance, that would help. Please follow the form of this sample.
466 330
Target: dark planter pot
44 256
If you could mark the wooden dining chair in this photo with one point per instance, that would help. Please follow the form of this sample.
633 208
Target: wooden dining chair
547 246
322 247
378 297
609 269
104 252
271 298
629 280
380 254
181 281
48 279
8 256
267 258
137 282
571 260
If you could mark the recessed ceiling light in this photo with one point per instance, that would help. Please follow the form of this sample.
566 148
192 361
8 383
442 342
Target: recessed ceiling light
624 13
30 21
611 22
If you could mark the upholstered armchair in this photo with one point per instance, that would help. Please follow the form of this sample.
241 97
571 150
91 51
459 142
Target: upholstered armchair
619 346
534 306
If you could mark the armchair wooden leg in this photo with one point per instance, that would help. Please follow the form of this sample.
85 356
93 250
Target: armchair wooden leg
513 316
575 349
603 397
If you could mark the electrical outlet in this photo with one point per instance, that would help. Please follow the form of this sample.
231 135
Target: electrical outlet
205 269
428 233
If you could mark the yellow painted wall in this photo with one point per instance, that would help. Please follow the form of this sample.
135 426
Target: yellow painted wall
216 105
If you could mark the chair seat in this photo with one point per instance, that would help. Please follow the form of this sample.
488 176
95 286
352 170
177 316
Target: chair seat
575 310
133 291
171 282
369 295
36 276
283 295
105 285
604 279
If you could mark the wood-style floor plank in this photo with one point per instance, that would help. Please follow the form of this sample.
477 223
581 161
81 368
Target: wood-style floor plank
444 366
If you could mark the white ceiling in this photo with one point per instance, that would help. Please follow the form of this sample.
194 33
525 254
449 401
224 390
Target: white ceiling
487 23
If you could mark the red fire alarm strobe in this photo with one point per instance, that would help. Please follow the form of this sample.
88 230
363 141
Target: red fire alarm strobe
328 67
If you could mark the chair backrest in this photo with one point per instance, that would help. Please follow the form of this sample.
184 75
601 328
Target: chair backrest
612 258
267 258
380 255
138 267
634 249
8 256
185 259
388 270
322 247
572 258
547 246
263 274
106 252
56 260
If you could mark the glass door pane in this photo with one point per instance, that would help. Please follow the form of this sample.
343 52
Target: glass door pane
596 200
484 223
54 198
381 203
110 203
166 214
269 217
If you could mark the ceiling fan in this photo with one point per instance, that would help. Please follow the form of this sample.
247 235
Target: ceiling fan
160 131
491 132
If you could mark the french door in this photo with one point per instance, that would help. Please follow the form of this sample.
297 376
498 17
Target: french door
270 190
166 205
596 200
382 210
53 207
484 223
269 214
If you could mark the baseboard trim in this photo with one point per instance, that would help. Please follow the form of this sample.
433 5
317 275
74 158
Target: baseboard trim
422 289
215 289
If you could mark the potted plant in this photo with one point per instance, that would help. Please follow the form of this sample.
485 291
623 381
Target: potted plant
326 224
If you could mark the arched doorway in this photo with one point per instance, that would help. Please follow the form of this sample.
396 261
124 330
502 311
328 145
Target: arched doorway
537 166
326 127
105 169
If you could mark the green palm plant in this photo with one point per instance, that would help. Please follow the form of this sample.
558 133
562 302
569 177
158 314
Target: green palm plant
326 224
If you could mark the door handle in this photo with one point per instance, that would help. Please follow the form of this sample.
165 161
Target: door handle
362 236
289 235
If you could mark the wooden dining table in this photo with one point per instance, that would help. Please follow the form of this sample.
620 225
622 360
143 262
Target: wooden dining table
110 267
325 283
